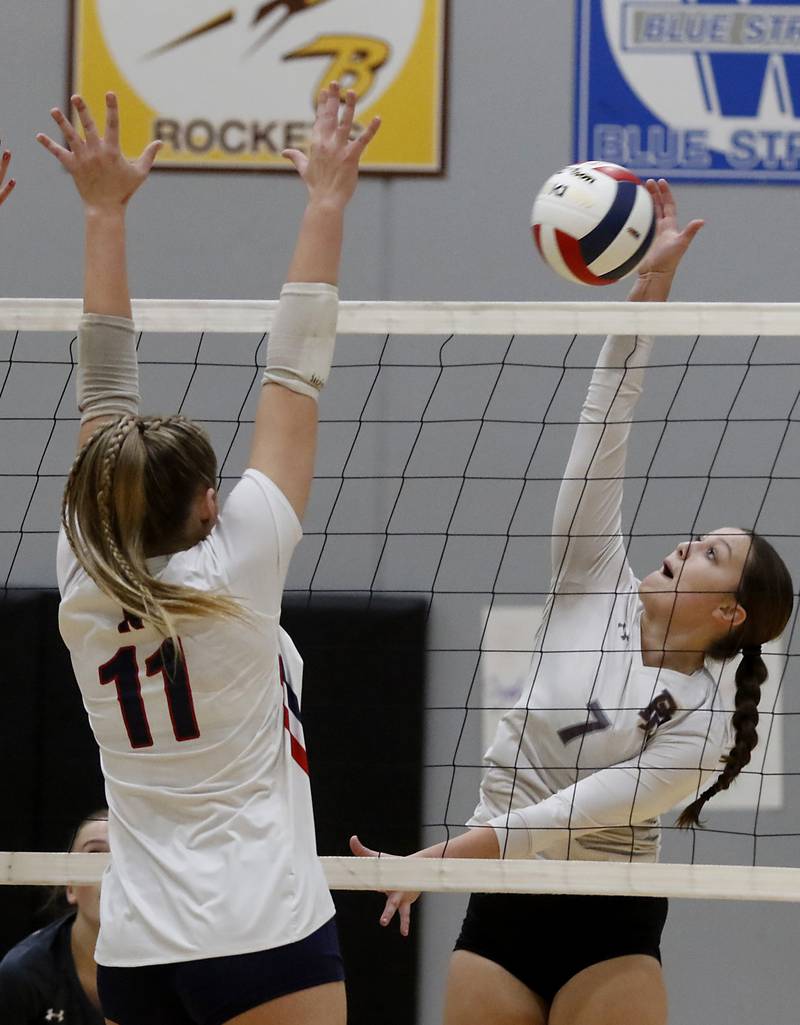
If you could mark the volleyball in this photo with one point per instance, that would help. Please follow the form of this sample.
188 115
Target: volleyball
593 222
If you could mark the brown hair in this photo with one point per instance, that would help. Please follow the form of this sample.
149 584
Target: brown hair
128 496
766 594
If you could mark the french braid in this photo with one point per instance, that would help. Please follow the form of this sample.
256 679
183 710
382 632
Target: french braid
751 673
114 509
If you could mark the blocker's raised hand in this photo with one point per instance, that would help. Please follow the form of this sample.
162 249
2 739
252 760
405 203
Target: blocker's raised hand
8 188
102 174
330 171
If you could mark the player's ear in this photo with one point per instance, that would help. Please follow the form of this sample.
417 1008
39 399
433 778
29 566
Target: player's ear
69 893
210 507
730 614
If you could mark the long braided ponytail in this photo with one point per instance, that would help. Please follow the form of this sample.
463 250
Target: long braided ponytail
766 594
128 496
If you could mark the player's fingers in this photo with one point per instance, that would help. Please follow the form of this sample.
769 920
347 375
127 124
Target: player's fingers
405 918
6 190
148 157
298 158
655 194
86 119
366 136
346 123
112 120
322 101
691 229
331 111
392 904
61 154
67 128
5 160
360 851
667 198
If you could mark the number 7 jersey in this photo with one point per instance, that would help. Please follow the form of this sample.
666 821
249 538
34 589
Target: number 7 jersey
211 825
600 744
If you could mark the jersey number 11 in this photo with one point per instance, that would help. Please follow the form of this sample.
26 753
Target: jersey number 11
123 671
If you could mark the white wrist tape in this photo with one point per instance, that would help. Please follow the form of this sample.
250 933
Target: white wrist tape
300 350
108 374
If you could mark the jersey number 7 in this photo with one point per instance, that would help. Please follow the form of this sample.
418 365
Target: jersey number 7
123 671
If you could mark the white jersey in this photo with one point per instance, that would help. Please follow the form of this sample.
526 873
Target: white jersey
211 826
599 745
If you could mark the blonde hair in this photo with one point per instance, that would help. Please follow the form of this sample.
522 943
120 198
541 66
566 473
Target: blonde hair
129 492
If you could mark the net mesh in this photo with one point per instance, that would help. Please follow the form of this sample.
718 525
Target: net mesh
445 430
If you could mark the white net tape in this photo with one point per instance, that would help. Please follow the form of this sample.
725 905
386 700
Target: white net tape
431 318
451 875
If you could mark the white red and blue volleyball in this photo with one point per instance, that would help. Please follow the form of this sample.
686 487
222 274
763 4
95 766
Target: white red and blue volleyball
593 222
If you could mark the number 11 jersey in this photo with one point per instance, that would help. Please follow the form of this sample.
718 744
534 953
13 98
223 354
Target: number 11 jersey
211 826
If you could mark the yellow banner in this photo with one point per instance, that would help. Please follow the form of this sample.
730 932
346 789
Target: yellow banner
227 86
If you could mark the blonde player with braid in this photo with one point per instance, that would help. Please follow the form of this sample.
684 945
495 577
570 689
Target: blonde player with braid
620 722
215 907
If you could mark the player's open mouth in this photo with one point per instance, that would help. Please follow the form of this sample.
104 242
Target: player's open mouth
666 570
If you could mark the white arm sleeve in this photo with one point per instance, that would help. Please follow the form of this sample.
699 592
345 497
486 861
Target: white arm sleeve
587 548
302 340
108 374
675 764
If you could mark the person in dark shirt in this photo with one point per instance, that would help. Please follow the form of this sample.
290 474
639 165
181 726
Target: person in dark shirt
51 975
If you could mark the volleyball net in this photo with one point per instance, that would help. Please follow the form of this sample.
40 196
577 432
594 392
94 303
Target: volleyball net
444 434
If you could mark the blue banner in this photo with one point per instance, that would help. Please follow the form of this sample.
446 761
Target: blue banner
695 90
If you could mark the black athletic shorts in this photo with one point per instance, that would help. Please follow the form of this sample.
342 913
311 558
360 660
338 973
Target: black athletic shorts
544 940
213 990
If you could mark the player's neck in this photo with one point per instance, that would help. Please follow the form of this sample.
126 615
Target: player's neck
83 940
665 648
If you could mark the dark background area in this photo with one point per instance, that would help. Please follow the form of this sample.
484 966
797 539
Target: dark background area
363 698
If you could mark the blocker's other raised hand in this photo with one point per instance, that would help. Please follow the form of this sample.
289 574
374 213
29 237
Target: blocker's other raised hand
8 188
103 176
330 171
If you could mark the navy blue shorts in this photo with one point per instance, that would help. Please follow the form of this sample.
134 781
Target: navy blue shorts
213 990
544 940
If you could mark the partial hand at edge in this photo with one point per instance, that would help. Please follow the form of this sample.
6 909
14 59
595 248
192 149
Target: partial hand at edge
8 188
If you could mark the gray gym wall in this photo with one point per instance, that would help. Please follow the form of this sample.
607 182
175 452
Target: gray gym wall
464 236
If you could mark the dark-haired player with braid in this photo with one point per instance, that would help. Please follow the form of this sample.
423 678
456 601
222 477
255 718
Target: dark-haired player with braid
620 723
215 907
